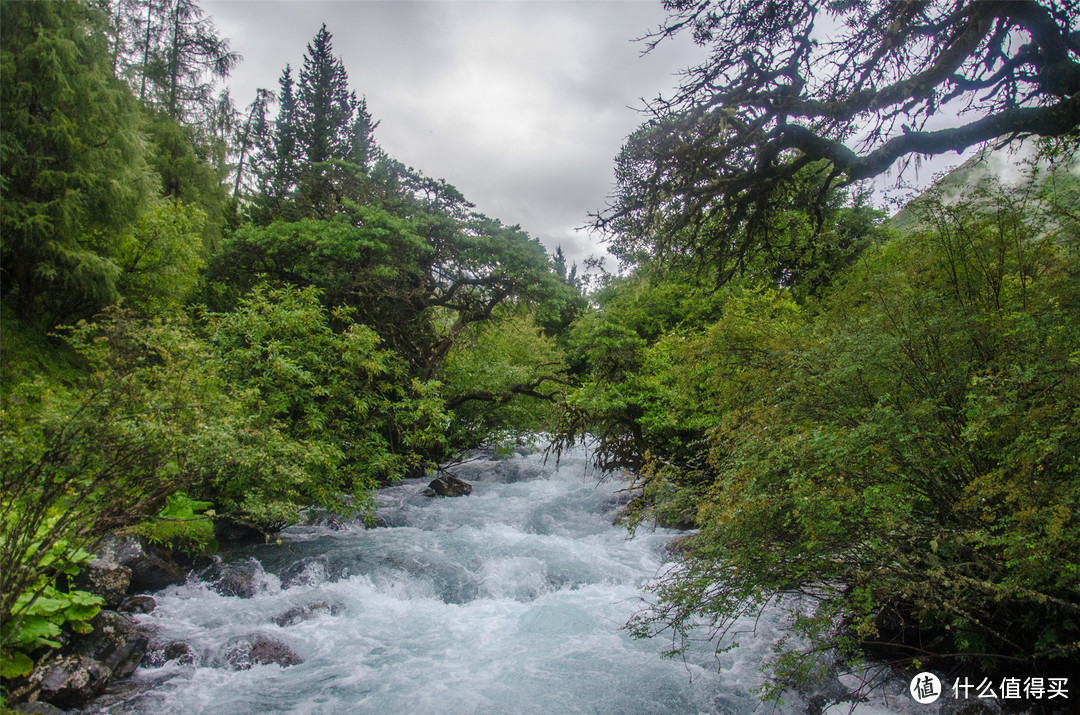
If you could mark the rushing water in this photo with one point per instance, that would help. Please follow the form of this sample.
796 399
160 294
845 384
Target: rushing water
510 600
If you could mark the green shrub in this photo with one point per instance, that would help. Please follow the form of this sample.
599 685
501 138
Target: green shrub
904 452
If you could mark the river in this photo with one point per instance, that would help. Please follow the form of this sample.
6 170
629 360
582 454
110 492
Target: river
510 600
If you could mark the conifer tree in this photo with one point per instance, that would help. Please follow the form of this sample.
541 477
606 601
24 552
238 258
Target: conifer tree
74 172
365 151
279 158
173 55
325 111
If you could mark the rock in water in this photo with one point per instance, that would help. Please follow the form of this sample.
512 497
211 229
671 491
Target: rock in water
246 651
183 653
298 614
243 579
180 651
115 642
151 568
306 572
447 485
138 604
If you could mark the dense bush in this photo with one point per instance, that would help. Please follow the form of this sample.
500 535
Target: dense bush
502 380
344 415
904 453
144 418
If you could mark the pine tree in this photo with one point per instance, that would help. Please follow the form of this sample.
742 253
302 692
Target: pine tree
325 111
323 148
278 159
74 171
364 151
559 261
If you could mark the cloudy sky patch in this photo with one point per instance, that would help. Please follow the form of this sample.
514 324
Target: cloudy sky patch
520 105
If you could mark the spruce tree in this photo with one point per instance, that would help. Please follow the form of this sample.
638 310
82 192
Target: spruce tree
325 111
74 172
364 151
278 159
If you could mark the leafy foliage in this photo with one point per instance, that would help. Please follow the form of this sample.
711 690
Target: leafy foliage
73 157
502 380
40 611
901 453
398 273
347 418
180 528
161 256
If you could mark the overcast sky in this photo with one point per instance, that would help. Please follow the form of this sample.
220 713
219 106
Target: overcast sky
520 104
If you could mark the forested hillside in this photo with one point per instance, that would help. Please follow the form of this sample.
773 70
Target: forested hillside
218 314
872 423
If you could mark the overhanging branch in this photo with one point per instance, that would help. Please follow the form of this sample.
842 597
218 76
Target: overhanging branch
1055 120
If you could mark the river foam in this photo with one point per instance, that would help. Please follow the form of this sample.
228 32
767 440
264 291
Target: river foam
510 600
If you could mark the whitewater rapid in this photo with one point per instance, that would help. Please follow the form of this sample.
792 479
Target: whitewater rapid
510 600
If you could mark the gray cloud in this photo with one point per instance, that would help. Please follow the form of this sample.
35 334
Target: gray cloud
521 105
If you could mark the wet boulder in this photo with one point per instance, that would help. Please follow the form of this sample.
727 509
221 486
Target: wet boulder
70 681
447 485
179 651
116 643
242 579
183 653
307 571
137 604
619 503
246 651
152 569
104 578
299 614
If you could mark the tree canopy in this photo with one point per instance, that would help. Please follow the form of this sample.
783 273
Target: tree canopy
844 89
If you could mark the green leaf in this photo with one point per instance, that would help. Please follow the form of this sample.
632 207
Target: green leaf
15 664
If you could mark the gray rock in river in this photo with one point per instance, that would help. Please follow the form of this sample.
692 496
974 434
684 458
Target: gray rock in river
181 652
87 664
70 681
243 652
242 579
138 604
151 568
116 642
36 709
299 614
447 485
307 571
